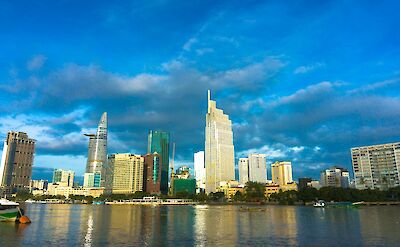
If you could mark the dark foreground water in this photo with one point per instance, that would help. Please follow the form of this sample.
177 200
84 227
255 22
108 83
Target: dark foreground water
124 225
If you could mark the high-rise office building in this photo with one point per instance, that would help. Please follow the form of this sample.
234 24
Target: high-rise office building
377 166
243 170
158 141
16 162
200 171
92 180
258 168
97 151
281 173
253 168
152 173
335 177
63 177
219 149
127 173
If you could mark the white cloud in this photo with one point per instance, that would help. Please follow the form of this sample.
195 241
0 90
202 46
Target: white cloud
309 68
188 45
36 63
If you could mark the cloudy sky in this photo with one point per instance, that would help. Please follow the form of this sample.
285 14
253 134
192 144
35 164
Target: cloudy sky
301 81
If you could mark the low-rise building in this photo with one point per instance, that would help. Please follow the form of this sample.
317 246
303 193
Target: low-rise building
335 177
56 189
230 188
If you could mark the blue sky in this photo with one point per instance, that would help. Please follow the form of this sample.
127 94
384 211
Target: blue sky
303 81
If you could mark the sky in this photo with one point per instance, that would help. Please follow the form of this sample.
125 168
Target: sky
302 81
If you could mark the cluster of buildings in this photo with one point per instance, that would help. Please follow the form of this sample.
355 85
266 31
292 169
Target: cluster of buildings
374 167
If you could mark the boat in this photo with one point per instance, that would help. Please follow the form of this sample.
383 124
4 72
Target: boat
319 204
9 211
30 201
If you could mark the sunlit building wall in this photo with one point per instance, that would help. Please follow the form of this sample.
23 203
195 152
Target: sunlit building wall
97 151
219 149
281 173
200 170
127 173
64 177
258 168
377 166
243 170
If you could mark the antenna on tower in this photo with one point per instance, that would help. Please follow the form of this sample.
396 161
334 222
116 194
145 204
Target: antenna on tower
171 166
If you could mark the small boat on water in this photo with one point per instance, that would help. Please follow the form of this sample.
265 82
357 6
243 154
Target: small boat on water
9 211
319 204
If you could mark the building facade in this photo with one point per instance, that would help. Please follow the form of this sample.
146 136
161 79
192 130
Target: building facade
127 173
97 151
303 183
200 171
219 149
243 170
39 184
92 180
16 162
152 173
63 177
158 141
281 173
258 168
335 177
377 166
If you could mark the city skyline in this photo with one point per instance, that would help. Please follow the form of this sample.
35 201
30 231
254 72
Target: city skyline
299 81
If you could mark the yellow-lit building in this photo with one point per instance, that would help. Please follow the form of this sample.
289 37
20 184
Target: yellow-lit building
282 173
56 189
230 188
270 189
127 173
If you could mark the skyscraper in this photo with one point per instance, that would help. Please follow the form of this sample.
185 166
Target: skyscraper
258 168
281 173
219 149
158 141
200 171
63 177
243 170
152 173
377 166
127 173
16 162
97 151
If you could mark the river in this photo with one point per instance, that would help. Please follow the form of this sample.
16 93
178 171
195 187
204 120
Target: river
227 225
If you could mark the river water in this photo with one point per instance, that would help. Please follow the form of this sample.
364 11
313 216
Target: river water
228 225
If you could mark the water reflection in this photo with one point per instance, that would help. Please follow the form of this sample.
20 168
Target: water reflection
124 225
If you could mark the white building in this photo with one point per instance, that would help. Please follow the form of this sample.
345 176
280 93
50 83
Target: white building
258 168
200 171
219 149
377 166
335 177
243 170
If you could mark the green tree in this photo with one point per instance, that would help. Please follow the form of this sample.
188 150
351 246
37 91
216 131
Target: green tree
255 192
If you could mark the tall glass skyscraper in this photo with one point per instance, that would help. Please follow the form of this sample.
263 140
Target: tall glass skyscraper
159 142
219 149
97 151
